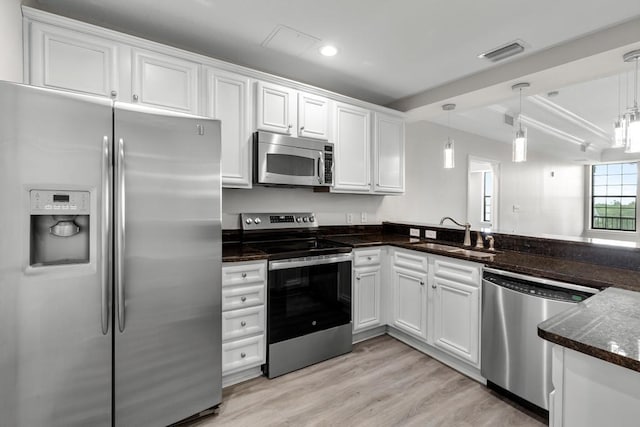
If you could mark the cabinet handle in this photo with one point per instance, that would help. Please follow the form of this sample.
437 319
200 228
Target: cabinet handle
243 299
358 278
135 97
301 128
369 258
244 275
243 323
434 286
114 93
243 354
421 282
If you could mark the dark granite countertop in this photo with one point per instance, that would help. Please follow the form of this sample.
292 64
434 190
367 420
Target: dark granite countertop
605 326
237 252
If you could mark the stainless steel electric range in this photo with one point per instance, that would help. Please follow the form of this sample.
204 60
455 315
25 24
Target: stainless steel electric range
308 290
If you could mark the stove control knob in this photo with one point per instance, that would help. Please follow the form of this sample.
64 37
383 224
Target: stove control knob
305 219
299 219
257 221
312 218
248 221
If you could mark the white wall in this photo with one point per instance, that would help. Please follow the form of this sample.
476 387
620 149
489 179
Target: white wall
547 205
10 40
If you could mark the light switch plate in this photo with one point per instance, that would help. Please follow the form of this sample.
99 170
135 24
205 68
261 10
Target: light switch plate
430 234
415 232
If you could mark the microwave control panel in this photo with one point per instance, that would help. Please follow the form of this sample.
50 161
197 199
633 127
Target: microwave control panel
59 202
328 164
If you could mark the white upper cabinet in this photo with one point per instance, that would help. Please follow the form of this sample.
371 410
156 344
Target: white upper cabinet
228 99
313 116
66 59
164 81
352 141
276 108
388 154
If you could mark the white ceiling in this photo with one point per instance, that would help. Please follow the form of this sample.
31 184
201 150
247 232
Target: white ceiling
388 49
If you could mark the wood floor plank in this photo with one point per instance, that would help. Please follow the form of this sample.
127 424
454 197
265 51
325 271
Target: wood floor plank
383 382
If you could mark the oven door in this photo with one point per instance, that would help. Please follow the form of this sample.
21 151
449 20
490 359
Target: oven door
307 295
289 165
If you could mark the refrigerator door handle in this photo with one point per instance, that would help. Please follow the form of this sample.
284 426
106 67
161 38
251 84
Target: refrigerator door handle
106 234
120 235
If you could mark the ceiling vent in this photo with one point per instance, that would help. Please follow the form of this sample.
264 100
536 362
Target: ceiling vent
503 52
288 40
508 120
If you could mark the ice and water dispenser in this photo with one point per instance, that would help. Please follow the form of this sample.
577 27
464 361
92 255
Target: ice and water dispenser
59 227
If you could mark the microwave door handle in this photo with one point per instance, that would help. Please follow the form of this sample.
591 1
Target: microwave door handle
321 167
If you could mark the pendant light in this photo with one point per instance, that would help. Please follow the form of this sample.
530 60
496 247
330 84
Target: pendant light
632 116
449 153
520 138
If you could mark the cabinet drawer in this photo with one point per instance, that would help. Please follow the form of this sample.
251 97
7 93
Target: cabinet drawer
242 354
457 271
366 257
243 322
243 273
242 296
411 260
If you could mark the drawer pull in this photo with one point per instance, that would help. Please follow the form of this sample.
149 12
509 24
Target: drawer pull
243 354
243 299
244 275
369 258
243 323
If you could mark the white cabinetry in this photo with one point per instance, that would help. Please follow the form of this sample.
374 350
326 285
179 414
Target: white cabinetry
455 295
352 139
228 99
366 289
243 316
409 293
388 154
284 110
65 59
164 81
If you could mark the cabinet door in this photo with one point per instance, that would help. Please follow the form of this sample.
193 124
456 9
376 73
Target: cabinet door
164 81
275 108
65 59
366 298
388 154
228 99
410 301
456 322
313 116
352 140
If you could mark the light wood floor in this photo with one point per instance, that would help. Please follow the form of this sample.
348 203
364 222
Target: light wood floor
383 382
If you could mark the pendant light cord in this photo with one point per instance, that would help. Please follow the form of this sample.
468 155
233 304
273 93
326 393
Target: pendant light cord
635 88
520 113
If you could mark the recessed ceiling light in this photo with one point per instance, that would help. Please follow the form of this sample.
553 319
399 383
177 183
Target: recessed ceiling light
328 50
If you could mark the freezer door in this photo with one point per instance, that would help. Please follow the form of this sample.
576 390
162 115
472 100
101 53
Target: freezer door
55 342
167 257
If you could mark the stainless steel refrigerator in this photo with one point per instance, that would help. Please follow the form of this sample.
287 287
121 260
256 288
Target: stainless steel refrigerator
110 258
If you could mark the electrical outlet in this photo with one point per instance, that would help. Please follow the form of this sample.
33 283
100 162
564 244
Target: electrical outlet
349 218
430 234
363 217
414 232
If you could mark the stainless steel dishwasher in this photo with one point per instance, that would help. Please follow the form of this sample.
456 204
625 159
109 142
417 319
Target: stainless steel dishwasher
513 356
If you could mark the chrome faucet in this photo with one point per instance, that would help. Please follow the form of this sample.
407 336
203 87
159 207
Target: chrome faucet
467 229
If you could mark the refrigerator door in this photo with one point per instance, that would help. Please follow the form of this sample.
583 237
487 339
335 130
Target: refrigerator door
167 259
55 329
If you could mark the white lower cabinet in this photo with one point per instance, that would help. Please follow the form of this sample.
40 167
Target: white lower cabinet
455 298
409 294
367 276
243 316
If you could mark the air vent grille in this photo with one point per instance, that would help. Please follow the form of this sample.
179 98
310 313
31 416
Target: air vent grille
503 52
508 120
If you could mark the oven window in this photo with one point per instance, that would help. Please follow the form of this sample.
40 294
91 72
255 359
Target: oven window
307 299
286 164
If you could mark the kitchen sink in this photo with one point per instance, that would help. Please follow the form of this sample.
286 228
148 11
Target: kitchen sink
453 250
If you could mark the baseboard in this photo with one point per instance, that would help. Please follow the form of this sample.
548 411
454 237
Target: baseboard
238 377
458 365
369 333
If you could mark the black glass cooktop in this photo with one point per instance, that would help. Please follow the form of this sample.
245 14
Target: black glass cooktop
300 247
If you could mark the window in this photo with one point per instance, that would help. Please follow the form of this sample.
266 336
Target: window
613 196
487 191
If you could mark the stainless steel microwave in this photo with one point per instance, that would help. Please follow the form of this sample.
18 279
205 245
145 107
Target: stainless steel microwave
285 160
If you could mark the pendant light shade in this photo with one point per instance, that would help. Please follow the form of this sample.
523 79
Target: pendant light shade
632 117
449 148
520 137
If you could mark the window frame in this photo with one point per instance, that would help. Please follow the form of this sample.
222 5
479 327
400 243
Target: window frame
484 197
619 217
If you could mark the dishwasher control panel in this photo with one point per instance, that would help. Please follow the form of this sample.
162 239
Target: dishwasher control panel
537 289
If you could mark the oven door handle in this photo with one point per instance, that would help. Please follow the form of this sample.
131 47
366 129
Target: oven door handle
321 167
308 261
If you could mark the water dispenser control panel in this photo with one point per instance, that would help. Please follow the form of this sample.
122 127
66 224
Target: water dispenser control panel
55 202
